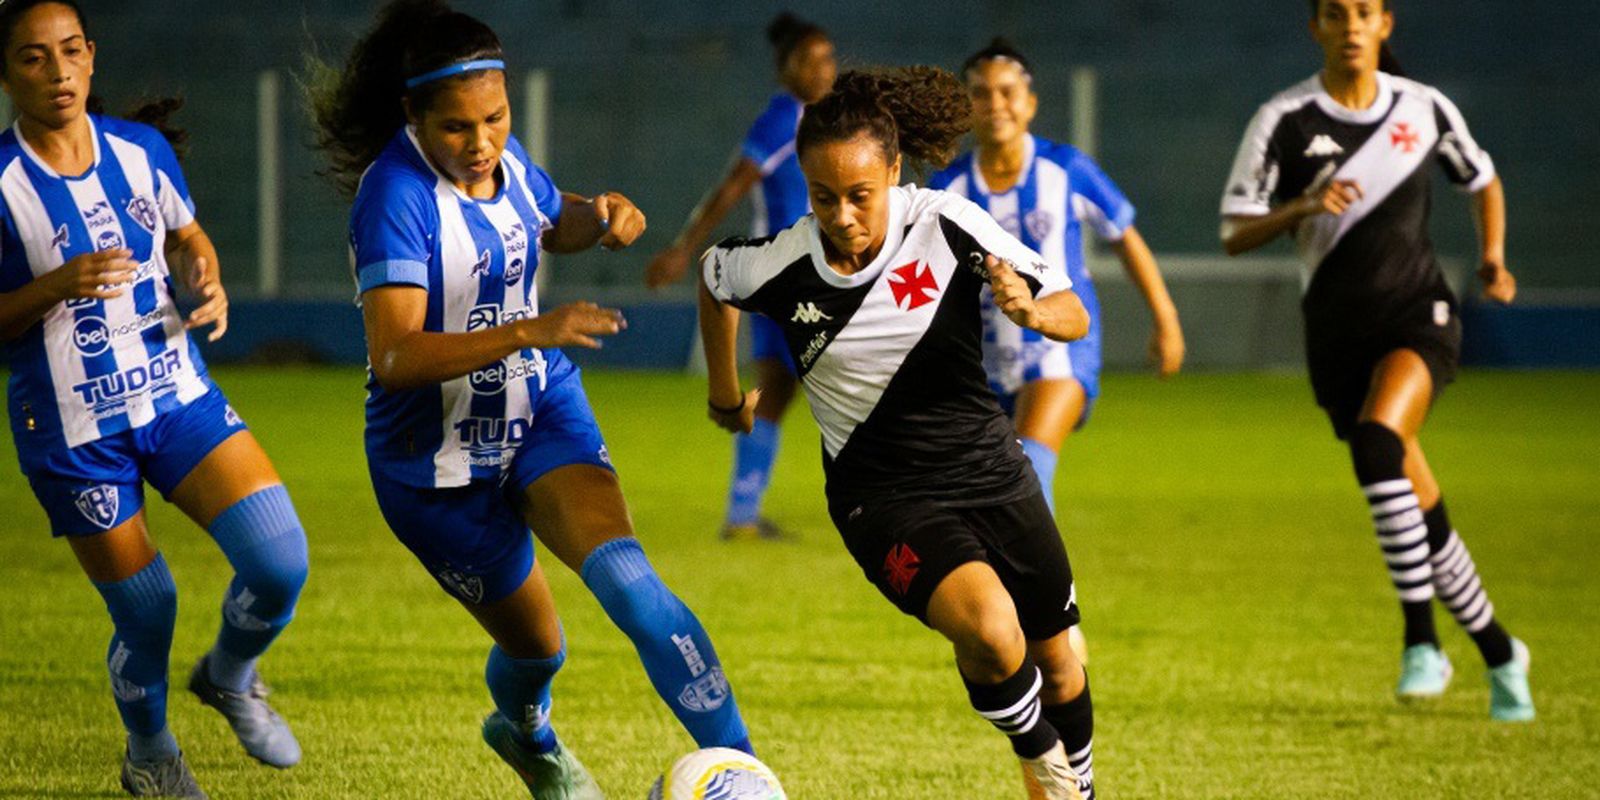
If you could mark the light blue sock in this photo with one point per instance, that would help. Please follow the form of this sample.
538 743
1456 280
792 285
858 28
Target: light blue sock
753 455
672 645
143 609
263 540
1044 465
521 691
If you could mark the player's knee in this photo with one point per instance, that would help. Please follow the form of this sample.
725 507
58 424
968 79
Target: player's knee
990 648
265 543
1376 451
143 606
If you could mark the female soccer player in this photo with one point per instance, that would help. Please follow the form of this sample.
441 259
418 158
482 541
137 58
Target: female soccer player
1039 191
477 427
806 70
877 294
107 391
1342 161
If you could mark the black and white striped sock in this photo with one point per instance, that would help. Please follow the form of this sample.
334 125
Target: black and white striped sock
1012 706
1379 458
1456 581
1074 721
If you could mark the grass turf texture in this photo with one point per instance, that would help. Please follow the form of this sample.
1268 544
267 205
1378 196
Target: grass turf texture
1243 633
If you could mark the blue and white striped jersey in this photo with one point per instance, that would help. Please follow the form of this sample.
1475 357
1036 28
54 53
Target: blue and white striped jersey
1060 189
476 259
782 198
91 367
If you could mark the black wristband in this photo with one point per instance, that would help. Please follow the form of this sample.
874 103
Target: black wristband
720 410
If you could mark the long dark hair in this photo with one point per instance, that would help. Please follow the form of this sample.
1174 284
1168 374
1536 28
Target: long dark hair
921 112
358 109
786 32
1386 60
156 113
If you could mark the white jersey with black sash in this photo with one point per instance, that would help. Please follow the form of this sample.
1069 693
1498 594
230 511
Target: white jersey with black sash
1374 261
891 357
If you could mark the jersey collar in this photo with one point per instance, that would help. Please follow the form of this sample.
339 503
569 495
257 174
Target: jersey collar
899 199
1365 116
444 180
94 136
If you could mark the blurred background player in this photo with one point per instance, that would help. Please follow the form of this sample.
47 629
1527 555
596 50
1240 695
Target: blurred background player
1343 162
108 391
1040 191
877 295
806 69
478 429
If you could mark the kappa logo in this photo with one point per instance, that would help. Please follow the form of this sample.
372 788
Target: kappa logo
1322 146
99 505
1403 138
62 238
1039 223
809 314
143 211
900 567
466 587
915 288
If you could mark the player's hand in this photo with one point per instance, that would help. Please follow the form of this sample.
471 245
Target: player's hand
1011 293
1167 348
621 220
572 324
668 266
1498 283
734 417
203 279
1335 197
100 275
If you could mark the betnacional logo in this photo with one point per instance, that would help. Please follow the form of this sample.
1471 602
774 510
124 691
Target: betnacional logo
91 336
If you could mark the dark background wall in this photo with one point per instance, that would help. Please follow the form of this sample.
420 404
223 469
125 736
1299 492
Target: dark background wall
650 98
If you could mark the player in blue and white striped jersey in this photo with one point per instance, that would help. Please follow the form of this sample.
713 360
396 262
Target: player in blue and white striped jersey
107 391
478 428
1044 193
806 69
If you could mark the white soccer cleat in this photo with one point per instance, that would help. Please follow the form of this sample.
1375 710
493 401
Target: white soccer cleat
1050 777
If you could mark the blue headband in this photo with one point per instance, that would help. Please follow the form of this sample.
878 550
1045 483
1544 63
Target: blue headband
455 69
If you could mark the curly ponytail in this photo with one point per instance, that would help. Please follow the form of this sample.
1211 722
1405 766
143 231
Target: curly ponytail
921 112
358 109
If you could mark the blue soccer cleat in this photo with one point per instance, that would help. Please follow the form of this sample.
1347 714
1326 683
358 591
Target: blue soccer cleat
264 734
556 775
1510 700
1424 673
165 778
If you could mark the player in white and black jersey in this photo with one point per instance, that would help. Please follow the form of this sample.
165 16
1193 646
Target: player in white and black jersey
877 294
1343 162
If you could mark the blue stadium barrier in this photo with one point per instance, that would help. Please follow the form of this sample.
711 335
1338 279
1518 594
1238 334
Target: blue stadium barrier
1530 335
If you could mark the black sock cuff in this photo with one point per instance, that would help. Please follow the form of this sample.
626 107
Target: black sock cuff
996 696
1377 453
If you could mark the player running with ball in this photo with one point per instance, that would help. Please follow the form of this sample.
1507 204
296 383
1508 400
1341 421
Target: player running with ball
877 293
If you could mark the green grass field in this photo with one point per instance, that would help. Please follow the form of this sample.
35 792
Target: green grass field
1243 632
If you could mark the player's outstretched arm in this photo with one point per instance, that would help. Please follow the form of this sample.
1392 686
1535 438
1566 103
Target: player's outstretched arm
607 219
404 356
671 263
103 274
728 405
1489 214
1166 341
1058 315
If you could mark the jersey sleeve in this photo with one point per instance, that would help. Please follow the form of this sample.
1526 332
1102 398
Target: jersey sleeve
545 193
1466 164
986 237
770 139
1096 200
172 191
728 273
1254 180
391 232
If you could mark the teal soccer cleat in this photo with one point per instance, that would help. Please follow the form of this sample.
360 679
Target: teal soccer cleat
1424 673
166 778
556 775
264 734
1510 700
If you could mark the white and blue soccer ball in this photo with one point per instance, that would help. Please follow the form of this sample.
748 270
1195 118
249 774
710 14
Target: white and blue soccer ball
718 773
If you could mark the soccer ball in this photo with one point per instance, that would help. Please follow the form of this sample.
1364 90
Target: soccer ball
718 773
